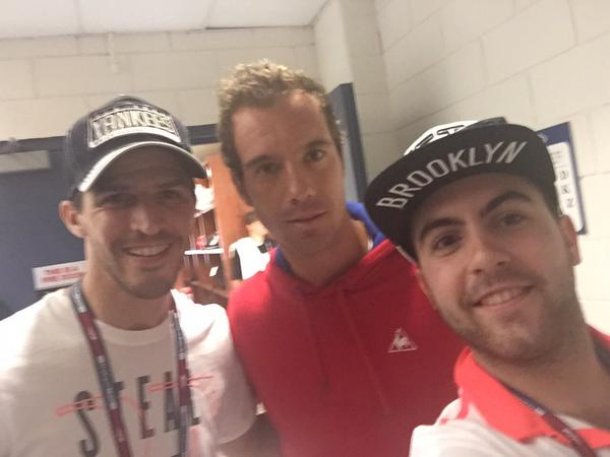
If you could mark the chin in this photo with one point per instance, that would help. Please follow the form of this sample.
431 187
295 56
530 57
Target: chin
151 290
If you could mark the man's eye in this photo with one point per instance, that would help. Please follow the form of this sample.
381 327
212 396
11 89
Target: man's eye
266 168
445 243
511 219
116 200
315 155
172 195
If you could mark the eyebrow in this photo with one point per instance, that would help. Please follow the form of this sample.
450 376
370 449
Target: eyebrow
320 142
488 208
437 223
502 198
256 161
265 157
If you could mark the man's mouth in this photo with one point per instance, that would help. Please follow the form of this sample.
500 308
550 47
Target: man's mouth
502 296
148 251
304 218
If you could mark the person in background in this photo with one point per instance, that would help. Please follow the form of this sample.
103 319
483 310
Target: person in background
250 254
342 348
121 364
474 206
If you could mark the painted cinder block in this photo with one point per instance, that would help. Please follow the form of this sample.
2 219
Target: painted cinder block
533 36
422 47
465 20
33 47
198 106
591 17
39 118
174 70
574 81
82 75
394 22
16 79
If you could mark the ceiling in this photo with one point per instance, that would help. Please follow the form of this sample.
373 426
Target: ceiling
36 18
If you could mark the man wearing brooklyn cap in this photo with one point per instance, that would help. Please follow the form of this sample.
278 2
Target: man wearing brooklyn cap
474 206
120 364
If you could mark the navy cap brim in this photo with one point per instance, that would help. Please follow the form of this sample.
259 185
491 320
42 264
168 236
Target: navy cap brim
191 162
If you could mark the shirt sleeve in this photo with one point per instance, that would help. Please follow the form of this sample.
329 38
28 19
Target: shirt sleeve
463 439
237 404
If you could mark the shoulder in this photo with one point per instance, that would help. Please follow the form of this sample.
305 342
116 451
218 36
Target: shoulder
206 328
37 336
198 321
388 268
243 243
386 254
263 303
253 294
37 320
456 436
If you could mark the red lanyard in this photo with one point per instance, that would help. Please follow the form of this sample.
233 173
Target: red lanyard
576 441
106 377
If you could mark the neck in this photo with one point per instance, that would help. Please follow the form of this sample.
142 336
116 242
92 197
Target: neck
123 310
573 381
349 246
260 239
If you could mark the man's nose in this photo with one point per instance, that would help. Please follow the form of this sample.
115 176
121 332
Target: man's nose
146 218
487 252
299 184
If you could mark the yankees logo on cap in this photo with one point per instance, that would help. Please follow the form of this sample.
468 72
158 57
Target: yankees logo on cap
122 125
130 119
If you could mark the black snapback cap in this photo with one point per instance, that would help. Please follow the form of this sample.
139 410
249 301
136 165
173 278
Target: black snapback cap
124 124
446 153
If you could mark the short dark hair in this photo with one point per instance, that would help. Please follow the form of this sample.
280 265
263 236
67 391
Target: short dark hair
77 200
260 85
250 217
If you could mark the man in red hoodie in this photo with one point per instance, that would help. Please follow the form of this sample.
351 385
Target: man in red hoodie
342 348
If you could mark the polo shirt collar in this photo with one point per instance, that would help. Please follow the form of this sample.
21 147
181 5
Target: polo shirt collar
505 412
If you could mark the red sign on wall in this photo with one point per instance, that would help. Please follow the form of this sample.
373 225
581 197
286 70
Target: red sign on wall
59 275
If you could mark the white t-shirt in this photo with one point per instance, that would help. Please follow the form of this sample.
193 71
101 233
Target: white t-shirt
50 402
251 259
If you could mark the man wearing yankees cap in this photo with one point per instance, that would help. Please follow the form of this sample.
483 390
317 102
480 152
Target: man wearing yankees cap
474 206
120 364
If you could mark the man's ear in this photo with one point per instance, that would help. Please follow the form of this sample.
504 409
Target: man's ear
571 238
70 216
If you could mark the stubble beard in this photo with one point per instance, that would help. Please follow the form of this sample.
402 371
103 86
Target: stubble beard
523 338
149 285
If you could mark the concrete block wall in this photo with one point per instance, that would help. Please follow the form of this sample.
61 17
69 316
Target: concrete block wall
47 83
537 62
349 50
414 63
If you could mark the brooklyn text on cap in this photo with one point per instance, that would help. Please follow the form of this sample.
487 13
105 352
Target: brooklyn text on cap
123 124
449 152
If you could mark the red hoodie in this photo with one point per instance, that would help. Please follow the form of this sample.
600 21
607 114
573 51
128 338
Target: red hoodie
348 369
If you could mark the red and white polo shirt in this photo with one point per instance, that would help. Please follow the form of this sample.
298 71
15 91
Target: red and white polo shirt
487 420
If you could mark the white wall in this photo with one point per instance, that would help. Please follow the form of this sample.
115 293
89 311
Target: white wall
414 63
46 84
349 50
537 62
